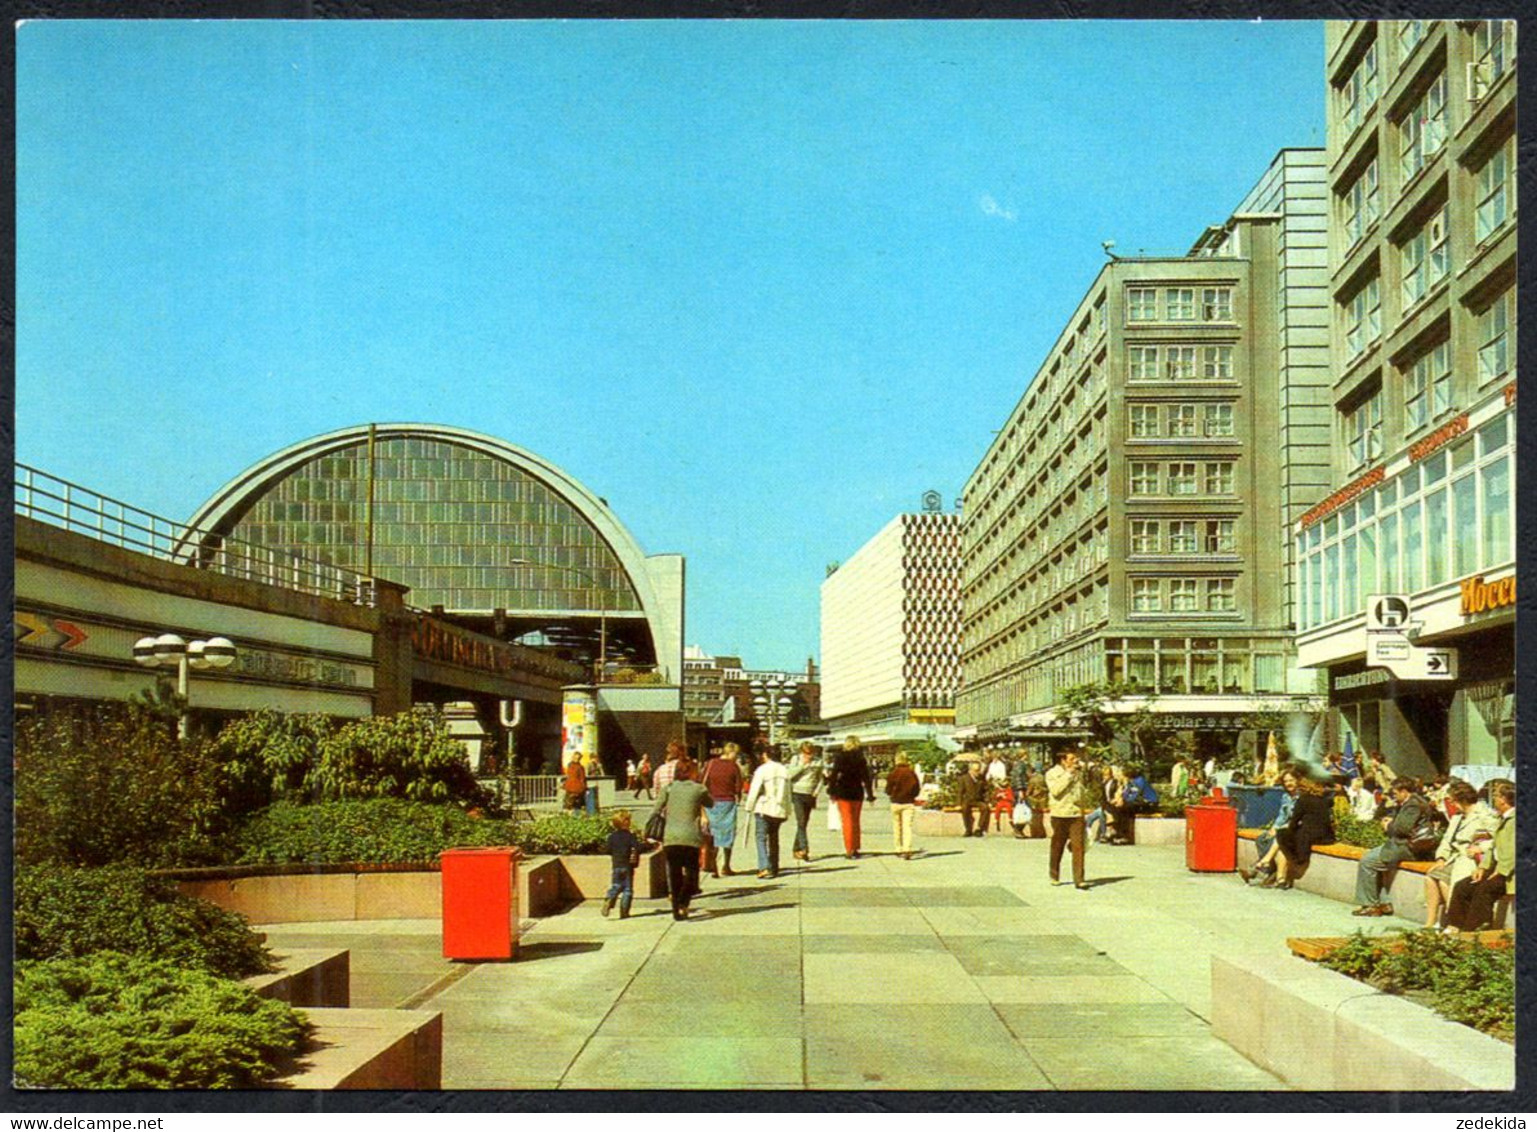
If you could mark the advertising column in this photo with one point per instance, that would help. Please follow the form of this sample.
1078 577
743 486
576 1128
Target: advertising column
579 735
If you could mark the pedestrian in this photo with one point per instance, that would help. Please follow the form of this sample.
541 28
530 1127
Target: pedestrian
575 784
850 786
768 800
624 855
1039 799
997 771
805 779
1066 786
1412 809
902 788
1135 796
722 778
592 768
664 773
632 776
1474 897
1311 823
972 794
643 776
684 803
1101 788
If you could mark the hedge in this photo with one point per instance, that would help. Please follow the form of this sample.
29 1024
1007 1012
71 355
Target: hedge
112 1021
64 913
377 830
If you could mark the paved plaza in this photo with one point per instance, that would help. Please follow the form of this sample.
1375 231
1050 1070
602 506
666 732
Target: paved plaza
961 969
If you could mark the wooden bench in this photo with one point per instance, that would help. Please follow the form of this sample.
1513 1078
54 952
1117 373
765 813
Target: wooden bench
1344 852
1317 947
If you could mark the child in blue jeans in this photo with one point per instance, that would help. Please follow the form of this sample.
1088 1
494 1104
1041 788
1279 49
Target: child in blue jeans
624 854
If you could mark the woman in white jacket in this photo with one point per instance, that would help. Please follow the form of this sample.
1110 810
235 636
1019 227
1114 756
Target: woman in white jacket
768 800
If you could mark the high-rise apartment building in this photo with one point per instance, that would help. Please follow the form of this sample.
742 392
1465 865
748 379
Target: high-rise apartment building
1130 521
1422 181
891 628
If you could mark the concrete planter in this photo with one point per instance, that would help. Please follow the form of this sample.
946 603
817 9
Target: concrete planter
371 1049
1335 877
1317 1029
1157 830
937 823
302 895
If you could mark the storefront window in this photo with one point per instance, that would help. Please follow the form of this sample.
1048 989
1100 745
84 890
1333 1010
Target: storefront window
1435 545
1497 542
1235 671
1331 582
1366 560
1414 546
1388 554
1465 526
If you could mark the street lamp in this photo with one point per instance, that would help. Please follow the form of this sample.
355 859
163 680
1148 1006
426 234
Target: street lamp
771 700
603 605
170 651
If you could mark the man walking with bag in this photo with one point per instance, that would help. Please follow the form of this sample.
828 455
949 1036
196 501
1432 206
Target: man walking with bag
1066 788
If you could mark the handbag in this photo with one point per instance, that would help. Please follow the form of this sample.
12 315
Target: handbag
656 826
1021 813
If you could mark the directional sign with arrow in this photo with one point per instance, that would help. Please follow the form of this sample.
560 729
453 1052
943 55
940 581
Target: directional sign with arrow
34 630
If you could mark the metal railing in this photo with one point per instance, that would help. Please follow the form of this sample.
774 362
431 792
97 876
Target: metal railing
67 505
534 789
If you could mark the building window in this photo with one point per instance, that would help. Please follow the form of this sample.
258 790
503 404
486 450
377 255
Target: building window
1360 90
1410 32
1363 324
1142 361
1494 192
1144 478
1424 258
1182 536
1219 420
1217 363
1221 595
1182 595
1141 304
1494 334
1144 421
1099 318
1363 431
1361 204
1145 596
1181 362
1144 536
1179 304
1428 387
1182 479
1219 478
1182 420
1494 46
1217 304
1221 537
1422 133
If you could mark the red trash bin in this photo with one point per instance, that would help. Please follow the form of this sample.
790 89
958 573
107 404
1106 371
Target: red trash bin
1211 836
480 903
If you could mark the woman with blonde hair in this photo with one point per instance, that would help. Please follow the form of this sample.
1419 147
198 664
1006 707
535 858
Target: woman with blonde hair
849 785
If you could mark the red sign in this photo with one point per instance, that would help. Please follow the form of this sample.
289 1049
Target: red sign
1444 435
1344 495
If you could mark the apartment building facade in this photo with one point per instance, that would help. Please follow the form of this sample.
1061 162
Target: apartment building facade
1129 522
1421 151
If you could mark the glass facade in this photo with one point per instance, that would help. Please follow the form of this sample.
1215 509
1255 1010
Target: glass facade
463 529
1395 539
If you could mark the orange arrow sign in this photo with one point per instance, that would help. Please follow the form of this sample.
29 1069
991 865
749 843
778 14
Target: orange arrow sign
73 634
33 629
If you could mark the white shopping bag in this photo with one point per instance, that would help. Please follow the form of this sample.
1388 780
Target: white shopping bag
834 822
1021 813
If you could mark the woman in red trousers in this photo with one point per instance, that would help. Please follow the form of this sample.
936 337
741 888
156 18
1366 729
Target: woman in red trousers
850 785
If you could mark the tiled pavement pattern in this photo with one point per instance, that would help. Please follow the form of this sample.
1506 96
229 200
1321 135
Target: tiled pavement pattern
961 969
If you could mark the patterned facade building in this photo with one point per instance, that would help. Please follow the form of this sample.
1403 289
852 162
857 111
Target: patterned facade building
1129 523
891 627
1422 180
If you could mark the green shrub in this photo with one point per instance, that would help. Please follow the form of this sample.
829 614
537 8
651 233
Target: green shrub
1460 978
114 784
564 833
114 1021
1351 830
269 757
376 830
65 913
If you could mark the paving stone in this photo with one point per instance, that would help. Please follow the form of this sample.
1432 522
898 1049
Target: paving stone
892 1047
691 1061
956 896
1103 1021
691 1011
888 978
863 921
1031 955
871 944
1068 988
1150 1063
856 898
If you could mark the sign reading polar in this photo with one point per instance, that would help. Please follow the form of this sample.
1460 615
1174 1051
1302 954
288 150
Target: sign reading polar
503 541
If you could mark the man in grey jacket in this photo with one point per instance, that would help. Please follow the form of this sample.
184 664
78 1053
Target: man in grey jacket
1375 866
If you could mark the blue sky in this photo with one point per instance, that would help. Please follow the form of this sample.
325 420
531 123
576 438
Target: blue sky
758 284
